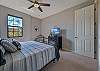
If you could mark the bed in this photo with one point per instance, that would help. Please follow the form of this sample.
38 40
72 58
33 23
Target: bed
33 56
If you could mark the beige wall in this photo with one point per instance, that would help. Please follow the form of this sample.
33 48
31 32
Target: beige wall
64 20
28 24
35 22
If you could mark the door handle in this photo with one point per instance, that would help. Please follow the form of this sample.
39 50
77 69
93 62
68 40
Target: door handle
76 37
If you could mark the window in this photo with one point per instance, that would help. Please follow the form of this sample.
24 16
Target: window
14 27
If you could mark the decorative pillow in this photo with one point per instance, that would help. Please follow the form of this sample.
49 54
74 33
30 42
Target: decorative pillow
17 44
8 39
2 49
8 46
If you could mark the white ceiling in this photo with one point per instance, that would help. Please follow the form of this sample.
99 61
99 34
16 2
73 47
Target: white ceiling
56 6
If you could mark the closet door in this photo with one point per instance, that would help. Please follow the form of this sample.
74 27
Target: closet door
84 31
79 31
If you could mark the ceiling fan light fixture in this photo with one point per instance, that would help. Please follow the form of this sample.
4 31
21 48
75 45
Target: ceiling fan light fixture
36 5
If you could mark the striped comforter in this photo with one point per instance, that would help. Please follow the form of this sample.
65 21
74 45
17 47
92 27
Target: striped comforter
32 57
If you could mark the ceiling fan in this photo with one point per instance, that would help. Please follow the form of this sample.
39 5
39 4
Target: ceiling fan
37 5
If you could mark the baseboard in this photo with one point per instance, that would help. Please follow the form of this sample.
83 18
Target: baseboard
68 50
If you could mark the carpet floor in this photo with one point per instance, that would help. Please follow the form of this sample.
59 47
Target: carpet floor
72 62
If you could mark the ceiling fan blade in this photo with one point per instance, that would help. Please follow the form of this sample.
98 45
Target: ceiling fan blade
44 4
40 9
30 7
31 1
